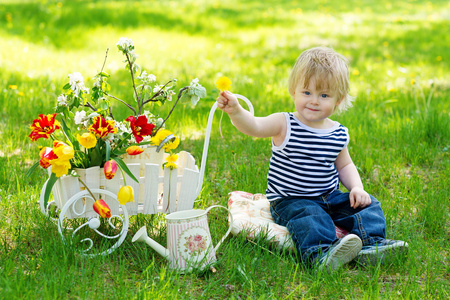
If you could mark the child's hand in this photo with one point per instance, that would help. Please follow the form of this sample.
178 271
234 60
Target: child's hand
359 198
228 102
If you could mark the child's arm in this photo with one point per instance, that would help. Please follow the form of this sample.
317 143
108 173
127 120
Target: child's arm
271 126
349 176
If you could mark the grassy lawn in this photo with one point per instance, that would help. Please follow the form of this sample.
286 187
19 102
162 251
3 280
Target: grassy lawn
399 127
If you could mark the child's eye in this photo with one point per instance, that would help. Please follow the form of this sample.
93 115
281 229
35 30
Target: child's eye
307 93
324 95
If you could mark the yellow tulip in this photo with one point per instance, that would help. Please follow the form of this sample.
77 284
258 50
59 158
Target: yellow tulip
125 195
63 151
87 140
60 167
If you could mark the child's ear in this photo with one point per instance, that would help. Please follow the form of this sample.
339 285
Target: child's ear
337 104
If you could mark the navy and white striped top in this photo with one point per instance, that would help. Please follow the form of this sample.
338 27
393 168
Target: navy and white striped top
303 165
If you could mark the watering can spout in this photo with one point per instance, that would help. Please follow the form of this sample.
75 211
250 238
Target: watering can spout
141 236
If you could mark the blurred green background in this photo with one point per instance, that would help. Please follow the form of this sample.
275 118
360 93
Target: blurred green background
399 53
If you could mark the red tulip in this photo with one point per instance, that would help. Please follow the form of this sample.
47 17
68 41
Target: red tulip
110 169
101 127
46 155
102 208
140 127
43 127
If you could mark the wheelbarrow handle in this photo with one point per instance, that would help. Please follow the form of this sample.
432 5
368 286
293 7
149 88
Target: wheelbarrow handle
207 138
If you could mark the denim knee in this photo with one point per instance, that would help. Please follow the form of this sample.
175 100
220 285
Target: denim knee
310 226
368 223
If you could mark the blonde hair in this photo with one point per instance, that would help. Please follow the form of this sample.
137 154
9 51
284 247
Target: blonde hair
328 68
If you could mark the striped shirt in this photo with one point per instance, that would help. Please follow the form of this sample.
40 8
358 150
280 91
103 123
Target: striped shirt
303 165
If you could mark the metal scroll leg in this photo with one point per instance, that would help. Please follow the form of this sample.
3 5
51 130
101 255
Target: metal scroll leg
86 230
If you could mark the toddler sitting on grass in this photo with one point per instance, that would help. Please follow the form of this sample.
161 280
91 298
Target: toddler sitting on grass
309 159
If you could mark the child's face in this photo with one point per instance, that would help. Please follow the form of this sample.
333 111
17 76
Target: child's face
313 105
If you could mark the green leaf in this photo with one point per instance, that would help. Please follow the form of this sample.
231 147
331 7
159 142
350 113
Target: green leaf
95 155
106 86
194 99
185 98
123 141
67 132
31 170
67 86
108 150
103 105
199 91
124 167
103 74
74 102
48 188
59 109
118 153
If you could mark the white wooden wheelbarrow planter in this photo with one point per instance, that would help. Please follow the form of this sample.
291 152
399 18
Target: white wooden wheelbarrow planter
158 190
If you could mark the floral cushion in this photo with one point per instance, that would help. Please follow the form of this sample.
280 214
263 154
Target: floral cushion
251 213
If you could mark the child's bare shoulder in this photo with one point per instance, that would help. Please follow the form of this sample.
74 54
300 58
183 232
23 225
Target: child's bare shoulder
278 121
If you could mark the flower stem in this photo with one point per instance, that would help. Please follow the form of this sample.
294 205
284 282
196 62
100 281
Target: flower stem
128 105
130 64
152 99
168 198
173 107
79 179
123 175
104 62
90 106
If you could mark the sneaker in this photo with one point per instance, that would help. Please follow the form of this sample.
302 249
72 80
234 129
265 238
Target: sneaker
344 251
377 253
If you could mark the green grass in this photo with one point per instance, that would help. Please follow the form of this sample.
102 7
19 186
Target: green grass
399 141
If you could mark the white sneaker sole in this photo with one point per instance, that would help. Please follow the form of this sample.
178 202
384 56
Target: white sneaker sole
347 249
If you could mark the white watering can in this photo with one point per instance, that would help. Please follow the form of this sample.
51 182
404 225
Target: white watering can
189 244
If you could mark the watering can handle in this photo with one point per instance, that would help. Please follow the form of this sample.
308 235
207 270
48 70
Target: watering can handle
229 228
207 137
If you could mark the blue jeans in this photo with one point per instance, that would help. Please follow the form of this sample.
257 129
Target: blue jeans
311 221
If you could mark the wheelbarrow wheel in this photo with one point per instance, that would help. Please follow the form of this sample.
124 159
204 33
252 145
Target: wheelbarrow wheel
79 225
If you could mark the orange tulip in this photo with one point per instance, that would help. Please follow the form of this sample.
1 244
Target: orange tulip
102 208
134 150
110 169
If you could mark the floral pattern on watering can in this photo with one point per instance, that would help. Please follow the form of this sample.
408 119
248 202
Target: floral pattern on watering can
193 244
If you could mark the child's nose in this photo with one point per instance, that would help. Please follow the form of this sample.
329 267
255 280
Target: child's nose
315 100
